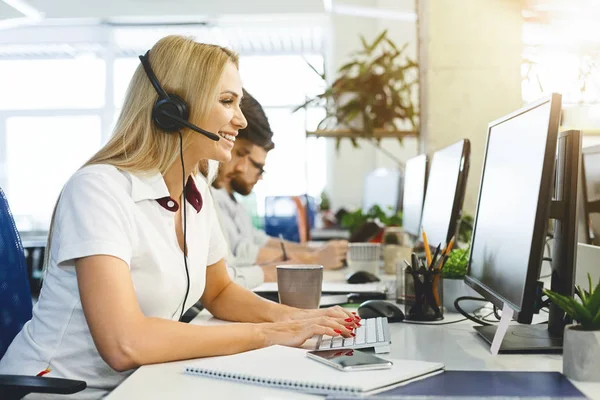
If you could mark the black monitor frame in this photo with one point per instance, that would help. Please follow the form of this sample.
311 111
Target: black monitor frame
415 233
524 313
459 194
563 210
588 207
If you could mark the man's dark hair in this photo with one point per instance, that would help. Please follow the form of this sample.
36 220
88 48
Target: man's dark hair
258 130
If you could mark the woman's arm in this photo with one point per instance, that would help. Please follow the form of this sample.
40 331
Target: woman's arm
126 338
228 301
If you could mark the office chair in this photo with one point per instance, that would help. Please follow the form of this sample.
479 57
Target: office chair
15 310
290 216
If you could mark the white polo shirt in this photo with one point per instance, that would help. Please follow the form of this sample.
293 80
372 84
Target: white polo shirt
243 238
103 210
248 276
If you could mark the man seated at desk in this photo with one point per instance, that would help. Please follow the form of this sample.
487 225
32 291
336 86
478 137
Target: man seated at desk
251 246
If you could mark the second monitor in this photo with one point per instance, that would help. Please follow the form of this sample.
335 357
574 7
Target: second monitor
445 194
415 180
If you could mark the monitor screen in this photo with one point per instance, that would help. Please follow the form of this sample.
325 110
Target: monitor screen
508 204
442 191
383 188
415 173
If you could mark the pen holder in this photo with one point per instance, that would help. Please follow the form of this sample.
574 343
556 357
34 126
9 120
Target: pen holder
423 294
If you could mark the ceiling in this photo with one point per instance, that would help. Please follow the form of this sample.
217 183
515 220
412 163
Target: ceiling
105 9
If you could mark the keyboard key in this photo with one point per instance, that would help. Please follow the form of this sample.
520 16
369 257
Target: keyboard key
361 335
380 336
349 342
337 341
371 330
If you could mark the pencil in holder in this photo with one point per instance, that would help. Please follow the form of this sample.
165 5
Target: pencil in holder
423 294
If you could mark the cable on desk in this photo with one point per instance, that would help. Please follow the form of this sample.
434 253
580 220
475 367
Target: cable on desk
485 318
467 315
495 312
433 323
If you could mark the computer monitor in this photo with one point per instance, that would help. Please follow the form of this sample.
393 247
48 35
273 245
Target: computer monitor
590 195
445 193
511 221
383 187
415 179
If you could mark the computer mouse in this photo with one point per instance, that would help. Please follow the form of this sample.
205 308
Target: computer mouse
361 277
380 308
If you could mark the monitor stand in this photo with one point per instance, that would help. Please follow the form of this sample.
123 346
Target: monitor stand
523 339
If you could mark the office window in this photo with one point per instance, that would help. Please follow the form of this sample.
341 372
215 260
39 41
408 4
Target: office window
124 69
44 153
73 83
280 83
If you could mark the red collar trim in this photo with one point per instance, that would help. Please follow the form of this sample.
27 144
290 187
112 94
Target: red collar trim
192 195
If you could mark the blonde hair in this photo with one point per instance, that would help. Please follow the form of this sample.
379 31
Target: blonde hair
186 68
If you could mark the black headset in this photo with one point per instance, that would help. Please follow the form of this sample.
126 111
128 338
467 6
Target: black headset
171 112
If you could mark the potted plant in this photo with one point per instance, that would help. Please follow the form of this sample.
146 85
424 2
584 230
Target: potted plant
395 248
374 95
581 342
327 218
354 220
454 273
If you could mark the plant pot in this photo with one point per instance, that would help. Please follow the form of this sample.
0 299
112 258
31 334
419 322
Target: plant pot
455 288
581 354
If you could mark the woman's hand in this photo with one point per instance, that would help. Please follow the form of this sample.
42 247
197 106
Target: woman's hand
350 318
295 333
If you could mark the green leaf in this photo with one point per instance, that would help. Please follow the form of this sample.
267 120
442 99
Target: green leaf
364 42
378 41
322 75
593 301
564 303
581 294
584 313
596 320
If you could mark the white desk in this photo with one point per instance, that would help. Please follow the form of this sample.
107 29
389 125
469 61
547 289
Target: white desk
455 345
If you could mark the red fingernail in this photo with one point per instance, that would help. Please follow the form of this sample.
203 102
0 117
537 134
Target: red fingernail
337 331
357 318
353 313
348 320
353 334
358 324
349 328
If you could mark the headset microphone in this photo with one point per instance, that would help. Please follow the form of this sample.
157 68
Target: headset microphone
171 112
193 127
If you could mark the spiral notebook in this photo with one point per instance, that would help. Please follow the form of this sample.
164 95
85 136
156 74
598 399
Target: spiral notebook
289 368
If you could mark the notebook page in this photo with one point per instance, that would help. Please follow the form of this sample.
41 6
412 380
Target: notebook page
286 364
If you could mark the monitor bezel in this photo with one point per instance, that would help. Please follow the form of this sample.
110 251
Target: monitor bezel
584 191
524 312
424 188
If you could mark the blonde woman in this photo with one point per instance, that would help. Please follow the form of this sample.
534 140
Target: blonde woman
117 276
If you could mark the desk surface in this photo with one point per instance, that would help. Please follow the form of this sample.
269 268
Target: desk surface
456 345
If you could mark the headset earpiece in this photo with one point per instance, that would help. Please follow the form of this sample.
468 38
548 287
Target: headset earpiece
170 112
164 110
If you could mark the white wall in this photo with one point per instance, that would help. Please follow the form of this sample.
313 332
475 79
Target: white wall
348 166
471 55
